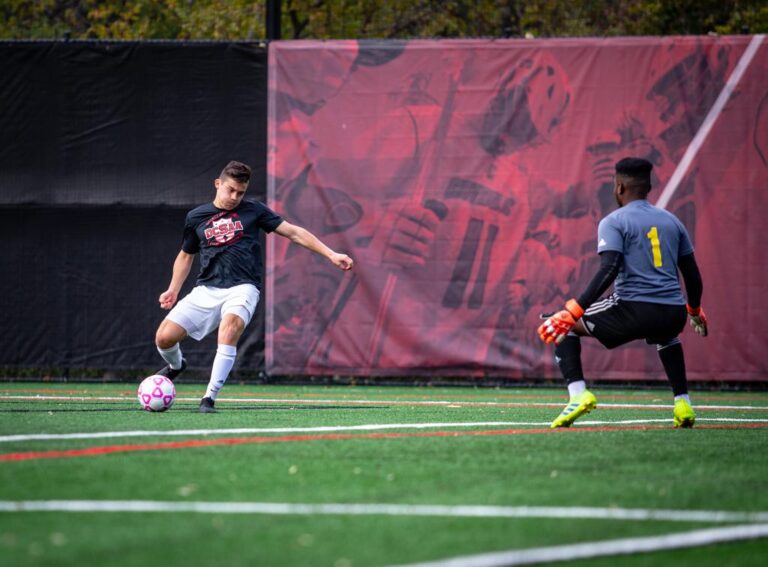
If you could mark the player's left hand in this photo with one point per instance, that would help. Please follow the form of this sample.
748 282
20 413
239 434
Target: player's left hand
168 299
559 324
342 261
698 320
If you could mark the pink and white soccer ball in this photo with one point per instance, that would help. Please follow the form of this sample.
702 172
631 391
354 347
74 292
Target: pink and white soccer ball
156 393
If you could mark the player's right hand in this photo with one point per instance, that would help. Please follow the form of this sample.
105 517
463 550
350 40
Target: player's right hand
342 261
168 299
559 324
556 327
698 320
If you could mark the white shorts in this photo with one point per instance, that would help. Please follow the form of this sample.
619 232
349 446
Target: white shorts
201 311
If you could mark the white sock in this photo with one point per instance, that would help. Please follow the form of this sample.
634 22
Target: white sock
683 397
222 364
576 388
171 355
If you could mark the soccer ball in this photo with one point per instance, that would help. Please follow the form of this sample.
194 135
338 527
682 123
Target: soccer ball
156 393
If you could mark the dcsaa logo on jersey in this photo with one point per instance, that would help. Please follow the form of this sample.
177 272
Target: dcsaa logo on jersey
223 229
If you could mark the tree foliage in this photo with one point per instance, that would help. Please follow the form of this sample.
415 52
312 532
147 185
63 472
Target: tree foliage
357 19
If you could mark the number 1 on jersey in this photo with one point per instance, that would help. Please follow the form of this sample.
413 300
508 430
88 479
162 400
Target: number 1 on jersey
653 236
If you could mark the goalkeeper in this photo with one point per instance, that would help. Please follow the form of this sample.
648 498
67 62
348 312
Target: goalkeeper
641 249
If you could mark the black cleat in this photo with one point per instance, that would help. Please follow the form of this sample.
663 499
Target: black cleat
170 373
206 406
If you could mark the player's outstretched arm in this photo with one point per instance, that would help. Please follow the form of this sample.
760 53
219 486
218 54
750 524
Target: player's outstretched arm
302 237
181 268
694 288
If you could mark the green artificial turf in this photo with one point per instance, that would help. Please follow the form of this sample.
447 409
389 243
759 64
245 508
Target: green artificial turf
520 463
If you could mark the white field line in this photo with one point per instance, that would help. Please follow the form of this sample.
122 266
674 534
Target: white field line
251 430
374 509
589 550
709 121
334 429
448 403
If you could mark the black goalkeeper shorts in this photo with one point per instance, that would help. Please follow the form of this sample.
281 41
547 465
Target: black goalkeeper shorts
615 322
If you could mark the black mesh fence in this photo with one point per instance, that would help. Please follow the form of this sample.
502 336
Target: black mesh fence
104 146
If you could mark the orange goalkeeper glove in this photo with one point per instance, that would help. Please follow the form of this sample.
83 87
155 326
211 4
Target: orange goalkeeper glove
698 320
557 325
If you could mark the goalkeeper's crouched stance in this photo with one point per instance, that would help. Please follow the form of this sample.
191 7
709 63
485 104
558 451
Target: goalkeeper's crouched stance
641 249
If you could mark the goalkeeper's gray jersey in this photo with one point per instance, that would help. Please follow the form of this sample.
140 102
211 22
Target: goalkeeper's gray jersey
651 240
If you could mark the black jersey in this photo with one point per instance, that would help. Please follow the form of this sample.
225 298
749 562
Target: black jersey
228 242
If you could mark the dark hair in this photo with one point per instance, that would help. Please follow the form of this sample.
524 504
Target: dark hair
636 173
238 171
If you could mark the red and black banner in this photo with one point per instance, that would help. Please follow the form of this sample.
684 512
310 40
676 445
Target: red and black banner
467 178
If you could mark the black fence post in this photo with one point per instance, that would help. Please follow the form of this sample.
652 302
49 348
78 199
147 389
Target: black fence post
274 13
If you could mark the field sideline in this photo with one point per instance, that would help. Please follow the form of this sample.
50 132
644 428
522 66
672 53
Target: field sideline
350 476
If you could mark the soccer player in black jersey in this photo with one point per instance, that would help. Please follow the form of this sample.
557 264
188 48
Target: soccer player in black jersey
642 248
226 235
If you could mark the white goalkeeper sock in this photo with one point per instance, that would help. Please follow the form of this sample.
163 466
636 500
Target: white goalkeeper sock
683 397
171 355
222 364
576 388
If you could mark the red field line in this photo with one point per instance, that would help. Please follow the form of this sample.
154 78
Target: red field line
603 405
192 443
642 397
71 392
